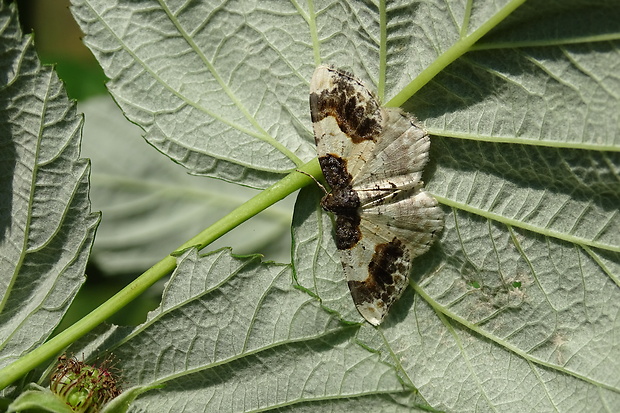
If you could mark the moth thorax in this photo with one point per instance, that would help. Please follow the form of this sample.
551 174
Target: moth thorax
341 201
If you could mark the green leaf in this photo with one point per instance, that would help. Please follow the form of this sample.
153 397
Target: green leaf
540 78
233 334
39 400
193 78
151 205
518 300
524 157
46 228
514 308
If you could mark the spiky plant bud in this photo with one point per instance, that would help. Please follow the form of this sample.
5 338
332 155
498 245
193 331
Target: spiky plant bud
84 387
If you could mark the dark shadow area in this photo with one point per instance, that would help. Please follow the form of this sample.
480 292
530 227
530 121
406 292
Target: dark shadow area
553 21
583 175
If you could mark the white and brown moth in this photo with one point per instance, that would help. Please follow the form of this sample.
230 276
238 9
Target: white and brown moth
372 157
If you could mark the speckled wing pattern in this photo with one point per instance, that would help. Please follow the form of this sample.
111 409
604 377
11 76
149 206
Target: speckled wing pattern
372 158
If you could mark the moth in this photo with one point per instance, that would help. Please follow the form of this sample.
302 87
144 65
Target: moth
372 157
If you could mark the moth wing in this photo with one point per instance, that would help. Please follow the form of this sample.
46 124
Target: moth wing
346 117
416 219
377 271
398 158
393 234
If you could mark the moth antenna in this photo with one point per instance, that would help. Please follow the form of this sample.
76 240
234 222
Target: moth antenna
314 179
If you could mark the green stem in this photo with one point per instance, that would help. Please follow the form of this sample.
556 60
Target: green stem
463 45
260 202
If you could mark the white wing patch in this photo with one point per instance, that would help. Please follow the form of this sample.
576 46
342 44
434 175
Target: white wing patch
372 158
